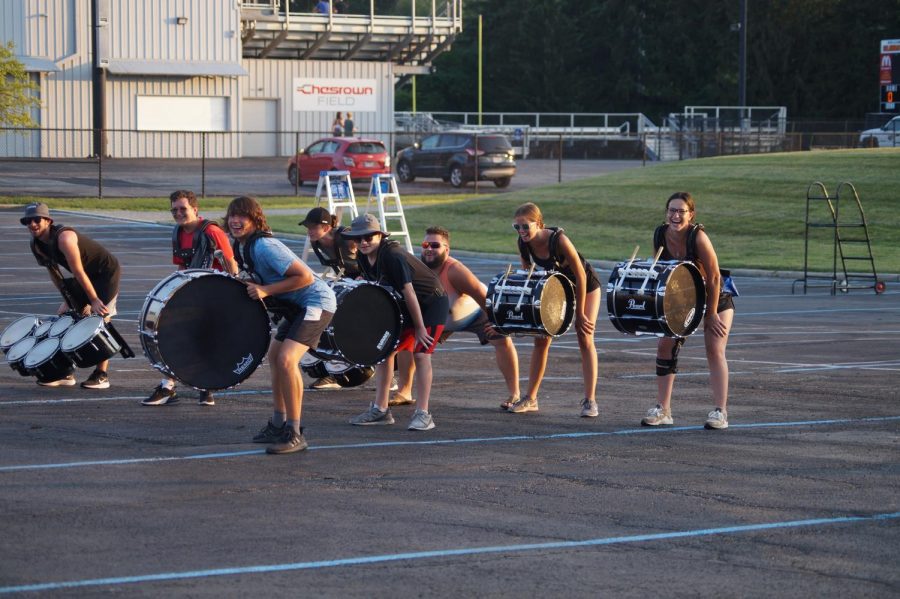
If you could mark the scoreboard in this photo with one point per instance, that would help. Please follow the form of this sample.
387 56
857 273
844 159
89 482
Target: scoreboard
889 76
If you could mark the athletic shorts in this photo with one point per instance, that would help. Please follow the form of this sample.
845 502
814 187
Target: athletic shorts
408 339
726 302
476 327
306 328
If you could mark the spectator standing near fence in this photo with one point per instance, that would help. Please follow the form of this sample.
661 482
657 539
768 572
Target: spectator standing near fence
337 126
348 125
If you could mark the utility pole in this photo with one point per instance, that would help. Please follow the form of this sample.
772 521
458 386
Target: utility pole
742 59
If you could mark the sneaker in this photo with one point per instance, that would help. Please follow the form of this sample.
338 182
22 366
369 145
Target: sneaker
656 417
66 382
290 441
373 416
97 380
326 383
526 404
400 400
506 405
206 399
717 419
161 396
589 408
421 421
394 384
269 433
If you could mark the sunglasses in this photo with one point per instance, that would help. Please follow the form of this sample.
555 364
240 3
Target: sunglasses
524 227
431 244
368 238
32 219
180 210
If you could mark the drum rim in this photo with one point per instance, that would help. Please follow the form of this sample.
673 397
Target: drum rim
17 321
47 342
79 325
34 341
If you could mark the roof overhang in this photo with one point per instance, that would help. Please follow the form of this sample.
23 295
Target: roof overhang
37 65
175 68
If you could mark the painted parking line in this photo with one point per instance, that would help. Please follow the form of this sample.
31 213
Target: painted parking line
364 560
463 441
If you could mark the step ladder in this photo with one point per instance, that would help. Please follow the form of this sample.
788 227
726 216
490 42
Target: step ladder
336 189
384 195
849 239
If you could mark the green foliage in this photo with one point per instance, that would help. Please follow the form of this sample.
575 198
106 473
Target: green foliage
18 94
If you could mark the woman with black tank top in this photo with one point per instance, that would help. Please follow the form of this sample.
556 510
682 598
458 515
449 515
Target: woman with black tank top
550 249
682 239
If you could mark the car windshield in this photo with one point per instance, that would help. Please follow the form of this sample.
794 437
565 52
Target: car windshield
366 147
491 143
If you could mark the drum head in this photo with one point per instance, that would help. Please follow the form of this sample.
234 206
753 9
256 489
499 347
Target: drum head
20 348
62 324
18 330
556 298
684 299
81 332
44 328
366 326
42 352
211 334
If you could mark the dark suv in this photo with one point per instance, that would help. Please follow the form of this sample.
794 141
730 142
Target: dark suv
451 156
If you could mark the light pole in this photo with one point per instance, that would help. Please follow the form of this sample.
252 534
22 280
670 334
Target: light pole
742 59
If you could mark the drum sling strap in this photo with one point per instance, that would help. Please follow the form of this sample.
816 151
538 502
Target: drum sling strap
338 263
659 240
200 254
74 296
277 307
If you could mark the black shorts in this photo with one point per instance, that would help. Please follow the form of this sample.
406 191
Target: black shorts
303 330
726 302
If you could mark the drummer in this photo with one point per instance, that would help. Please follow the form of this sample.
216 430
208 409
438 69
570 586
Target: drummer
550 249
95 286
466 295
195 241
335 251
307 302
425 306
683 239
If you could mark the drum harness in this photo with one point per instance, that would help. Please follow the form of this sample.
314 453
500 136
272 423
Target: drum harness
72 293
200 254
278 308
341 261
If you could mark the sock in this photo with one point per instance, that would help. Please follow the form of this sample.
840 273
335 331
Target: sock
294 424
278 419
167 384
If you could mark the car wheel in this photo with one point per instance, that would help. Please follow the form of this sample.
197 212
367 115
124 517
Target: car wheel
502 182
404 172
456 176
292 176
870 142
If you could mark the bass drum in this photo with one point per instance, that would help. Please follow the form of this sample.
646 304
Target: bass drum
17 330
366 326
540 303
201 327
671 304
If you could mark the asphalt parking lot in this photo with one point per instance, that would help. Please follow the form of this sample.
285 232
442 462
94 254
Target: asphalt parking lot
101 496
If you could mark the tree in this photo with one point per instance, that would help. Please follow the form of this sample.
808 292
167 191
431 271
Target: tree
18 94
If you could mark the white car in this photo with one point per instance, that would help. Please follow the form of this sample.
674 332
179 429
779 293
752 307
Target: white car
887 136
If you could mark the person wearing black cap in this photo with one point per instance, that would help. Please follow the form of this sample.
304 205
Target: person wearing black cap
424 308
96 273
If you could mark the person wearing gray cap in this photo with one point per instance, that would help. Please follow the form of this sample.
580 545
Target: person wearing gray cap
96 273
424 309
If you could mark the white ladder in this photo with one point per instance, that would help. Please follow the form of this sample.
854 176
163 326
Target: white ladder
383 192
337 189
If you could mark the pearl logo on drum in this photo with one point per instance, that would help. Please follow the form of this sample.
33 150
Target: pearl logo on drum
245 363
510 315
633 305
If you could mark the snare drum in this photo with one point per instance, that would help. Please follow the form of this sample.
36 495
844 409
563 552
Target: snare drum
201 327
17 330
366 326
15 357
47 362
60 326
667 299
43 330
540 303
88 342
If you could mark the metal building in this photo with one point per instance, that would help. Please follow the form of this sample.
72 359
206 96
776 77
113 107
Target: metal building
214 78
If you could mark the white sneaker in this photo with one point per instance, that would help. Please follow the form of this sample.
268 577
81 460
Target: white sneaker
717 419
69 381
589 408
421 421
656 417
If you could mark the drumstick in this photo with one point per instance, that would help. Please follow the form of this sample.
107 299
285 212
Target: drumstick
524 287
623 273
650 270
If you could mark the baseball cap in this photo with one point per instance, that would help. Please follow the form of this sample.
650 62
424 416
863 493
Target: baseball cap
316 216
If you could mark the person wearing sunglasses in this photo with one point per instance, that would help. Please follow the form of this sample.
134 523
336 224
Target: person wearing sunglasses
424 307
95 286
683 239
549 248
195 241
466 296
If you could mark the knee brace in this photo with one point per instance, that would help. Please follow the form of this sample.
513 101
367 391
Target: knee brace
667 367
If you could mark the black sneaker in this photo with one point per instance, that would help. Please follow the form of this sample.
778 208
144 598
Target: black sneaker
291 441
161 396
269 433
206 399
97 380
